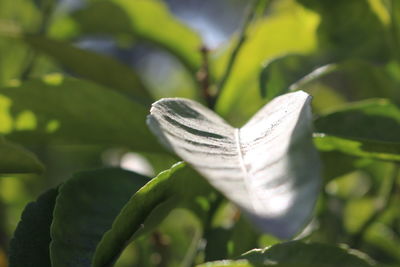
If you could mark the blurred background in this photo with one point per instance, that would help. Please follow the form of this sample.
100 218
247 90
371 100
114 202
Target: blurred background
338 51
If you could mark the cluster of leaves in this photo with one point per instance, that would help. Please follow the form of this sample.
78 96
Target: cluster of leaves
64 109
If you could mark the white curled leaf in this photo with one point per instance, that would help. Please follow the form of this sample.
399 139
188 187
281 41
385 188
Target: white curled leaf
269 167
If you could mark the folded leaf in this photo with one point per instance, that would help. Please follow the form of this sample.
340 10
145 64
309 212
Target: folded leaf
269 167
86 206
31 240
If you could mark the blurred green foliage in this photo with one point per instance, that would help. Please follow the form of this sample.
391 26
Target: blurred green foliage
66 109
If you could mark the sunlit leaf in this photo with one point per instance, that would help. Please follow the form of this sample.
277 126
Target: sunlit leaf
147 208
269 167
288 29
361 148
16 159
30 244
85 208
118 17
67 111
95 67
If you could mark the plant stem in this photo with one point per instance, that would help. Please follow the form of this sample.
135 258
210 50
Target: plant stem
191 251
203 77
389 188
255 9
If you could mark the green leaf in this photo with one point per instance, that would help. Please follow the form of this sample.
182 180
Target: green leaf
374 120
289 28
354 80
361 148
337 164
136 18
298 254
67 111
278 74
30 243
179 184
368 128
269 167
16 159
366 38
92 66
86 206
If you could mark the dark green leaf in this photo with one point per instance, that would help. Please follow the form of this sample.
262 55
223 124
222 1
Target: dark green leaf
95 67
298 254
217 243
16 159
179 184
374 120
86 206
30 244
365 38
67 111
368 128
278 74
337 164
269 167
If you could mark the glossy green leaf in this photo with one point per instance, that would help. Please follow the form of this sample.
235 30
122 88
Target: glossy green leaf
85 209
269 167
361 148
366 38
368 128
30 244
92 66
67 111
147 207
16 159
118 17
354 80
374 120
278 74
298 254
289 28
351 79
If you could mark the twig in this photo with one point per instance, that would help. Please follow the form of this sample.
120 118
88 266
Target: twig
389 188
254 10
203 77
